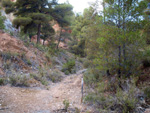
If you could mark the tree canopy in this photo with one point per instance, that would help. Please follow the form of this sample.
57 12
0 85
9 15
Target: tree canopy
35 13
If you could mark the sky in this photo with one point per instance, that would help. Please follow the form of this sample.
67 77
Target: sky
79 5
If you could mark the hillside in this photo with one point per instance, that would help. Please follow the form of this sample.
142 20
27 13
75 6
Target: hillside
13 50
53 60
20 63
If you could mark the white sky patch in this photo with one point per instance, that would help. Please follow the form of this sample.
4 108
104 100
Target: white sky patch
79 5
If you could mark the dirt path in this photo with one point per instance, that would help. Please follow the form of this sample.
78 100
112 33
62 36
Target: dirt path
21 100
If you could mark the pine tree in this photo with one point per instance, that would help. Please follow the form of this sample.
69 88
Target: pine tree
31 13
47 32
63 15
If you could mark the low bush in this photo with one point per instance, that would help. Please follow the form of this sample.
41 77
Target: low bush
147 92
87 63
48 56
2 81
66 105
8 55
146 63
19 80
29 62
119 101
44 75
67 72
68 66
54 76
91 77
44 81
40 77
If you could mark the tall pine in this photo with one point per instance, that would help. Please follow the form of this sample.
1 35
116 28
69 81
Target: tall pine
31 13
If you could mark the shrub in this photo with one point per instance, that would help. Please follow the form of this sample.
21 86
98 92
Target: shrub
2 18
77 110
40 47
40 76
66 72
44 82
1 81
48 56
19 80
29 62
44 75
92 76
7 64
146 63
127 100
54 76
66 105
8 55
147 92
78 49
69 66
86 63
121 101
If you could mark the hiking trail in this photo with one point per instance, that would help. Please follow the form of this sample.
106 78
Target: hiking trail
26 100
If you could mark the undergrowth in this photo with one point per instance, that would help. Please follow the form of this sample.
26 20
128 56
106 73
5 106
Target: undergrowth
68 67
111 94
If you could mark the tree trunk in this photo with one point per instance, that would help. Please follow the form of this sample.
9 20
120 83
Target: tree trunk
119 61
38 33
124 43
124 52
59 38
43 42
30 37
104 10
107 71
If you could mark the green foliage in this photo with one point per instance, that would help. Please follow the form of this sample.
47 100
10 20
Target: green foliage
79 48
128 100
40 76
7 65
22 21
40 47
6 3
87 63
2 26
66 105
39 18
63 14
92 76
44 82
147 92
67 72
33 14
29 62
121 101
2 81
48 56
45 75
18 80
68 66
8 55
47 32
77 110
54 76
37 14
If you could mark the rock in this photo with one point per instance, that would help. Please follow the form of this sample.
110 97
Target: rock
147 111
82 71
140 110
